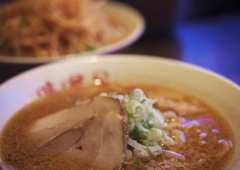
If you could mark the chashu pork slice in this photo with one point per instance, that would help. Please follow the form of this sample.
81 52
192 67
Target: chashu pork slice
48 127
99 144
92 134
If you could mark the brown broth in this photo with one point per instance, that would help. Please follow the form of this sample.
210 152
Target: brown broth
200 148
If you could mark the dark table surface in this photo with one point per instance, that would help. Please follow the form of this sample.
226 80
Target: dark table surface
212 43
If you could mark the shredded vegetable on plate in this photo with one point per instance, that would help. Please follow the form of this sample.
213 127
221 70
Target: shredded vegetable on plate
52 28
145 123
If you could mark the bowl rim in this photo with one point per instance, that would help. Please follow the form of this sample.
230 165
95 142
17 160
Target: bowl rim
125 57
129 39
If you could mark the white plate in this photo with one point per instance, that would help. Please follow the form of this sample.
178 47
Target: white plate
126 14
219 92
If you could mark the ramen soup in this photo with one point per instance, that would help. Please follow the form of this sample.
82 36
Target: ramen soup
117 126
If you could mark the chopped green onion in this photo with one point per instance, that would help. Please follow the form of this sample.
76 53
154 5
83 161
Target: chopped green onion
138 108
146 124
146 142
143 100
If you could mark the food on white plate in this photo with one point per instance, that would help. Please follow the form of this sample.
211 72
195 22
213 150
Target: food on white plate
46 29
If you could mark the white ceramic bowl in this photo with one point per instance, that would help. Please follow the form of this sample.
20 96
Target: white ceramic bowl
217 91
130 17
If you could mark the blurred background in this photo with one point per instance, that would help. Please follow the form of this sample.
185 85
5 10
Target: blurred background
202 32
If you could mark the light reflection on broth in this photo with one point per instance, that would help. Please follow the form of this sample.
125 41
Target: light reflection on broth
203 140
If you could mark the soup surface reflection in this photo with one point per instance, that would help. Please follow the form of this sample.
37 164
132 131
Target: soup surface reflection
203 139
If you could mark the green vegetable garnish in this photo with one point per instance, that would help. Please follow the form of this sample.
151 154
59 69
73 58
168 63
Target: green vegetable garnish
146 142
145 123
143 100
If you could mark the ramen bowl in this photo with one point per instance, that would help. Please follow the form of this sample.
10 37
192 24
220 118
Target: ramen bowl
218 92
